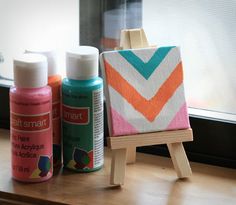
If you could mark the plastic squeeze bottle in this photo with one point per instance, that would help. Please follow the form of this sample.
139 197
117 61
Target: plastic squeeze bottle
31 120
54 81
82 111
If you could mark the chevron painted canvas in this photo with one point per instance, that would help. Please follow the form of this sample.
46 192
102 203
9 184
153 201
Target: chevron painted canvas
144 90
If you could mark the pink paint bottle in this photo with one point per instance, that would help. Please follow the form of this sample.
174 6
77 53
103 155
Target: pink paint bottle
31 120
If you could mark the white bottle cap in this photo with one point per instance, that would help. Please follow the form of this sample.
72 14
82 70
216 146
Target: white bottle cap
51 58
30 71
82 63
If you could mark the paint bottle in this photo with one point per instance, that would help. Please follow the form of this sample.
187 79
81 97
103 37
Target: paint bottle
54 81
31 120
82 111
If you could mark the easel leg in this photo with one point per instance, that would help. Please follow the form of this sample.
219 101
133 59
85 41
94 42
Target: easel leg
179 159
131 155
118 164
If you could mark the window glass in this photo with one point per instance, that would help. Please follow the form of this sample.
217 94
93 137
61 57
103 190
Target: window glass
117 16
206 32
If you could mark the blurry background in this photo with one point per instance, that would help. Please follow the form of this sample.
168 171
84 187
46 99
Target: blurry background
204 29
37 23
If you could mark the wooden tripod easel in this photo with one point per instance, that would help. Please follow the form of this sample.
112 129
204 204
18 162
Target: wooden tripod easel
124 147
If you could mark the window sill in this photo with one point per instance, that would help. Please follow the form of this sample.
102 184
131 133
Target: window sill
151 180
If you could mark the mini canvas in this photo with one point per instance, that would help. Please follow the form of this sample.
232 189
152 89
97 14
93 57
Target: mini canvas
144 90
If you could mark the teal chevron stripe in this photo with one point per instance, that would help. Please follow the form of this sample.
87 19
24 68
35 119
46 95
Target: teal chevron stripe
146 69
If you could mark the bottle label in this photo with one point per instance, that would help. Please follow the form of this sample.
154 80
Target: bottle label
76 115
83 130
31 142
98 127
30 123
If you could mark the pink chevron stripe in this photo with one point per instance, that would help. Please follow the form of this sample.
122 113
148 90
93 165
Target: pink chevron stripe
180 121
121 125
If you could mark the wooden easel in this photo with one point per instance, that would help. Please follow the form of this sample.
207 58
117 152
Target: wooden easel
124 147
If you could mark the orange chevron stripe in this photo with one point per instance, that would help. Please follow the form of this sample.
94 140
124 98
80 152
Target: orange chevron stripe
149 108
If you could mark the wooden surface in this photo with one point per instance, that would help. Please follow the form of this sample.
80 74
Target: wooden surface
151 180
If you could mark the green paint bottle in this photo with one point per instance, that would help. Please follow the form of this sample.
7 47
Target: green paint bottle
82 111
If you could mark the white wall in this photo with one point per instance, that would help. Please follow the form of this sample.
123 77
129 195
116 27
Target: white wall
37 23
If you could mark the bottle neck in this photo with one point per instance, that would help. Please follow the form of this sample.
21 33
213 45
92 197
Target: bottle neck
29 89
83 78
54 79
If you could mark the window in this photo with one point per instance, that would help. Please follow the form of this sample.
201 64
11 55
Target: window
205 31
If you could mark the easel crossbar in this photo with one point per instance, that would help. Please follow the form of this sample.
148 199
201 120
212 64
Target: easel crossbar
146 139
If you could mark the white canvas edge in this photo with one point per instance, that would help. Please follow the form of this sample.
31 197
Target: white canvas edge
106 92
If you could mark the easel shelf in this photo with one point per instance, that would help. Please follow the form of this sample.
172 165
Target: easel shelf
139 140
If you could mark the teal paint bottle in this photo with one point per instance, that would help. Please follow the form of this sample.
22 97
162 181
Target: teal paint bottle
82 111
